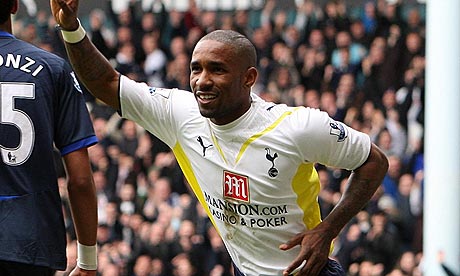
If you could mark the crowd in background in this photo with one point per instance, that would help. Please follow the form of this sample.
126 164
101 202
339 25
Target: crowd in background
364 65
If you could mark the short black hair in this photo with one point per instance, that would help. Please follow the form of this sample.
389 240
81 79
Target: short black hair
5 10
242 45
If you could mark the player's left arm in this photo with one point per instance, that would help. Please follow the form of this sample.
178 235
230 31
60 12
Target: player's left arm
361 186
83 203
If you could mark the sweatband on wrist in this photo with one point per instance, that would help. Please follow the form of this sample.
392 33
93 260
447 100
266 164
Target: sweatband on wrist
87 256
74 36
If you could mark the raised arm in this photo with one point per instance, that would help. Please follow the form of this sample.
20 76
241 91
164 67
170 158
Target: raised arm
91 67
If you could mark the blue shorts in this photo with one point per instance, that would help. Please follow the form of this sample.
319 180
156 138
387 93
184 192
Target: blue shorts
332 268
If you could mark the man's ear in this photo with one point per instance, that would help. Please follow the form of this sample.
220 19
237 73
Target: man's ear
251 77
15 7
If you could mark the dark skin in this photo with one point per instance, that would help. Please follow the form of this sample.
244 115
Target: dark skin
220 85
221 81
216 71
80 186
82 196
362 184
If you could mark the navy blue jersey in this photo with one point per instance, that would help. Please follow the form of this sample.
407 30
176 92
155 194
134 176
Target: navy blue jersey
41 108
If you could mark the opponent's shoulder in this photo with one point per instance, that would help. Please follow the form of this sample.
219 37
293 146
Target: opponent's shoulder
26 48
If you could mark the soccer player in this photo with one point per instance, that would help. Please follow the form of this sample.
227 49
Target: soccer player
249 162
41 107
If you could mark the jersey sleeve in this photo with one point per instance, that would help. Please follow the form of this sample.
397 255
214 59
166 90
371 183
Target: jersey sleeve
329 142
73 128
150 107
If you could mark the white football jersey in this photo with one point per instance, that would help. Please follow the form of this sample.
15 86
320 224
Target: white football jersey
254 176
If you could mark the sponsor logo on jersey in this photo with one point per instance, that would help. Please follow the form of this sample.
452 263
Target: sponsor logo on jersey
11 158
338 130
248 215
236 186
165 93
200 140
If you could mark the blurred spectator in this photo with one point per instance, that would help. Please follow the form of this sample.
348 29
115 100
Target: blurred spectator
125 59
390 182
182 266
407 263
328 103
174 26
101 35
155 60
312 98
111 270
415 22
103 197
307 17
410 99
382 242
373 70
346 92
414 46
358 34
311 68
143 266
326 196
385 141
127 199
177 73
356 51
369 18
409 206
281 84
350 245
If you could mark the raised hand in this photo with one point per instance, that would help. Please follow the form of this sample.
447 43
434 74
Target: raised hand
65 13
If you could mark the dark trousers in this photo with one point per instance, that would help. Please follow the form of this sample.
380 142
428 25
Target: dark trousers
332 268
15 269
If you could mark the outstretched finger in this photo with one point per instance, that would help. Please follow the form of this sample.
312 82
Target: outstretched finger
296 240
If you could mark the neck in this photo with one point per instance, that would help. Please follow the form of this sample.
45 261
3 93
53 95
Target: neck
6 27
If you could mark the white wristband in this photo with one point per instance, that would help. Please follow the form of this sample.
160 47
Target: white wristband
87 256
74 36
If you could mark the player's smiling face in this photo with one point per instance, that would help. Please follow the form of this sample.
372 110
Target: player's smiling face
217 78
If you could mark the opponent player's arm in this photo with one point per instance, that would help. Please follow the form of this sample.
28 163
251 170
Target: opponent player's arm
83 203
91 67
